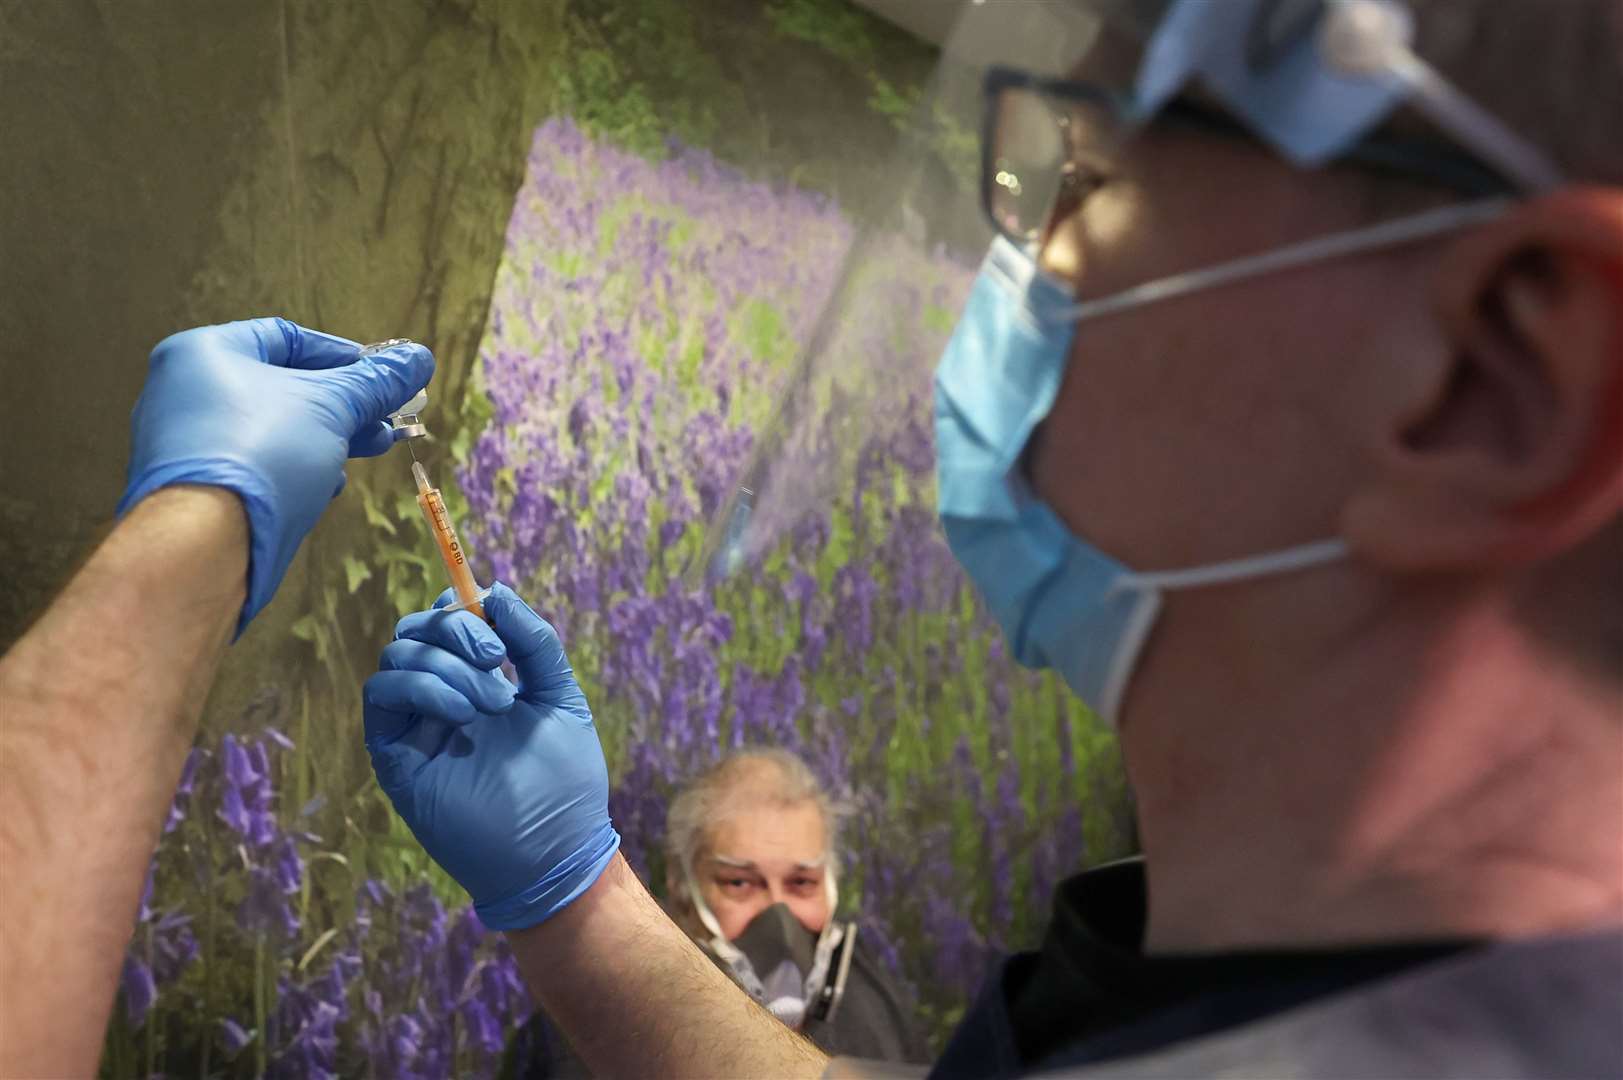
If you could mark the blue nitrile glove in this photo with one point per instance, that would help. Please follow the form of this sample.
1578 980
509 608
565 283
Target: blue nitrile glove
505 787
271 411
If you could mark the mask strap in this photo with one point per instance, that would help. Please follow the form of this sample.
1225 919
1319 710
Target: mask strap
1403 230
827 942
1255 566
1148 586
829 939
718 941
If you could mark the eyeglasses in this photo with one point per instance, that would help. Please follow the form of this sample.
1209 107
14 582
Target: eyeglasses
1047 144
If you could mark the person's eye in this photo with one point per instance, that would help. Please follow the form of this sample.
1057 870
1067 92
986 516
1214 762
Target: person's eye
804 885
734 884
1082 176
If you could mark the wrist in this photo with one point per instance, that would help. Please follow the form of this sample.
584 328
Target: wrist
209 507
203 535
612 899
225 484
555 893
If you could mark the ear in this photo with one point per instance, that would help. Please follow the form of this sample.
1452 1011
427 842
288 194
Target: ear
1509 451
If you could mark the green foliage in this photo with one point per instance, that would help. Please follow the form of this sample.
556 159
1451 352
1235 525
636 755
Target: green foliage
762 330
833 25
608 102
843 31
606 86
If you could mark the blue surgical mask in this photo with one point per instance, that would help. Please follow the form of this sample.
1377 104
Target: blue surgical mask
1061 601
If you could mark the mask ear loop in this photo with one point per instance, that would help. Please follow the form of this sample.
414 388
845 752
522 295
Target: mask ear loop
718 941
1403 230
1148 586
827 941
1371 38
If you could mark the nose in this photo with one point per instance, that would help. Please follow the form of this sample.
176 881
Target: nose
1059 249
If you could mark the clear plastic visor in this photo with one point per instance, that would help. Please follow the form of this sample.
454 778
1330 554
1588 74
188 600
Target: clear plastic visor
1123 142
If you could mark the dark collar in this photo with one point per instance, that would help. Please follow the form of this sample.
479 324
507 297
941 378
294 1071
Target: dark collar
1092 975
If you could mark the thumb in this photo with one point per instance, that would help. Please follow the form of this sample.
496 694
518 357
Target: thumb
376 385
544 674
287 344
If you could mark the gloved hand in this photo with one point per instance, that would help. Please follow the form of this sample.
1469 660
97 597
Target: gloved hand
271 411
505 787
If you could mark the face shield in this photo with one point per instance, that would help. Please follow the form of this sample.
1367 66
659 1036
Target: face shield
1058 127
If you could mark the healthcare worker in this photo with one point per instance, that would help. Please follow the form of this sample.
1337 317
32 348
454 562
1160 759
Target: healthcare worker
240 438
1284 421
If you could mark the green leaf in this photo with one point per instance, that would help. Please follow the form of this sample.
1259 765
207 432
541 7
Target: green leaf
320 942
394 553
355 572
374 514
305 628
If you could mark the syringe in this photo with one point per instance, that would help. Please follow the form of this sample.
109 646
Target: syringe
408 427
468 593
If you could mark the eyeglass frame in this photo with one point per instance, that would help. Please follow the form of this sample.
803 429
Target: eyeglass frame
1421 159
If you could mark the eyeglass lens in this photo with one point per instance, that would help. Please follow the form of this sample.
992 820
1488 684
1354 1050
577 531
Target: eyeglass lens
1039 145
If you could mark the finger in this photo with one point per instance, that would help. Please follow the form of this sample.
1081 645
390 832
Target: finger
444 598
376 385
371 441
343 482
488 691
287 344
381 722
419 692
422 693
458 632
399 740
534 648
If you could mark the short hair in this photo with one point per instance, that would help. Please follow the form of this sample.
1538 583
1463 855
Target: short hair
739 781
1553 72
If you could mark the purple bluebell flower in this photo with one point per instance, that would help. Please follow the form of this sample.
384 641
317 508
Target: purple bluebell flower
174 947
140 991
144 910
288 866
265 908
233 1037
181 803
234 811
239 767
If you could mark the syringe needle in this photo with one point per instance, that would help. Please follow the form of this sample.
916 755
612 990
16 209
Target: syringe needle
411 449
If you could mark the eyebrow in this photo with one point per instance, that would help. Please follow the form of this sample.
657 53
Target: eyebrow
745 864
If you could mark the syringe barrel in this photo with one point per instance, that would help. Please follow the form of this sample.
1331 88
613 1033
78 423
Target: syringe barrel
451 549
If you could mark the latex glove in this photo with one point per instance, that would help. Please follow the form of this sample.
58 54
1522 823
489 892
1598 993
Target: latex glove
504 787
271 411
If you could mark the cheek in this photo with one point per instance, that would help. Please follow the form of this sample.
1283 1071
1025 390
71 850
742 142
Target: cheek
811 911
734 915
1097 459
1185 433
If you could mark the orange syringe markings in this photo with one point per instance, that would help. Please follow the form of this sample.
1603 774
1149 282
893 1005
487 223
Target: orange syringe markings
451 550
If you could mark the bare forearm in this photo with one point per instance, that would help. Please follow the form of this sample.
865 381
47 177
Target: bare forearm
98 704
637 998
